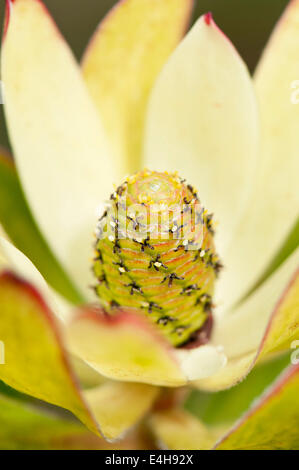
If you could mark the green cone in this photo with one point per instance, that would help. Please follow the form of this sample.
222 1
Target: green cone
155 252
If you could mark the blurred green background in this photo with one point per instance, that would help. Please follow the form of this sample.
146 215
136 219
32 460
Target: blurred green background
248 23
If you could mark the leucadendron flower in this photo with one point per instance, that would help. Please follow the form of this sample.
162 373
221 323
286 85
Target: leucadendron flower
169 121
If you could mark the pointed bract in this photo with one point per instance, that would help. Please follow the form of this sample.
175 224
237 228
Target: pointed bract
202 122
121 63
273 209
58 141
119 405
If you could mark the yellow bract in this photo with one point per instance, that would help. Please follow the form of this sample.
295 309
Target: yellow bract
59 146
118 406
124 347
121 63
273 208
203 122
178 429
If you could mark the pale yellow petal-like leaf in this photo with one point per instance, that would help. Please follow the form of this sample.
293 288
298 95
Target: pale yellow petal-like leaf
201 362
273 209
177 429
124 347
121 63
57 137
119 405
267 323
127 347
202 122
88 377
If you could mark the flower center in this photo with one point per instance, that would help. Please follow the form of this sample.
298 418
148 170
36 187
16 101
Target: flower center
155 253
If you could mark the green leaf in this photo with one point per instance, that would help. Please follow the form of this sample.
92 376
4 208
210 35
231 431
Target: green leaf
27 426
18 223
272 422
23 426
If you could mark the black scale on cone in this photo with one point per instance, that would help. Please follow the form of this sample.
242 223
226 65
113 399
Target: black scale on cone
155 252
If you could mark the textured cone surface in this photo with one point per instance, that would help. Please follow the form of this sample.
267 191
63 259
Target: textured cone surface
155 253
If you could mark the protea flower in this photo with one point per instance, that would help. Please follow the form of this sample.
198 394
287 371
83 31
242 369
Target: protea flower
165 119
